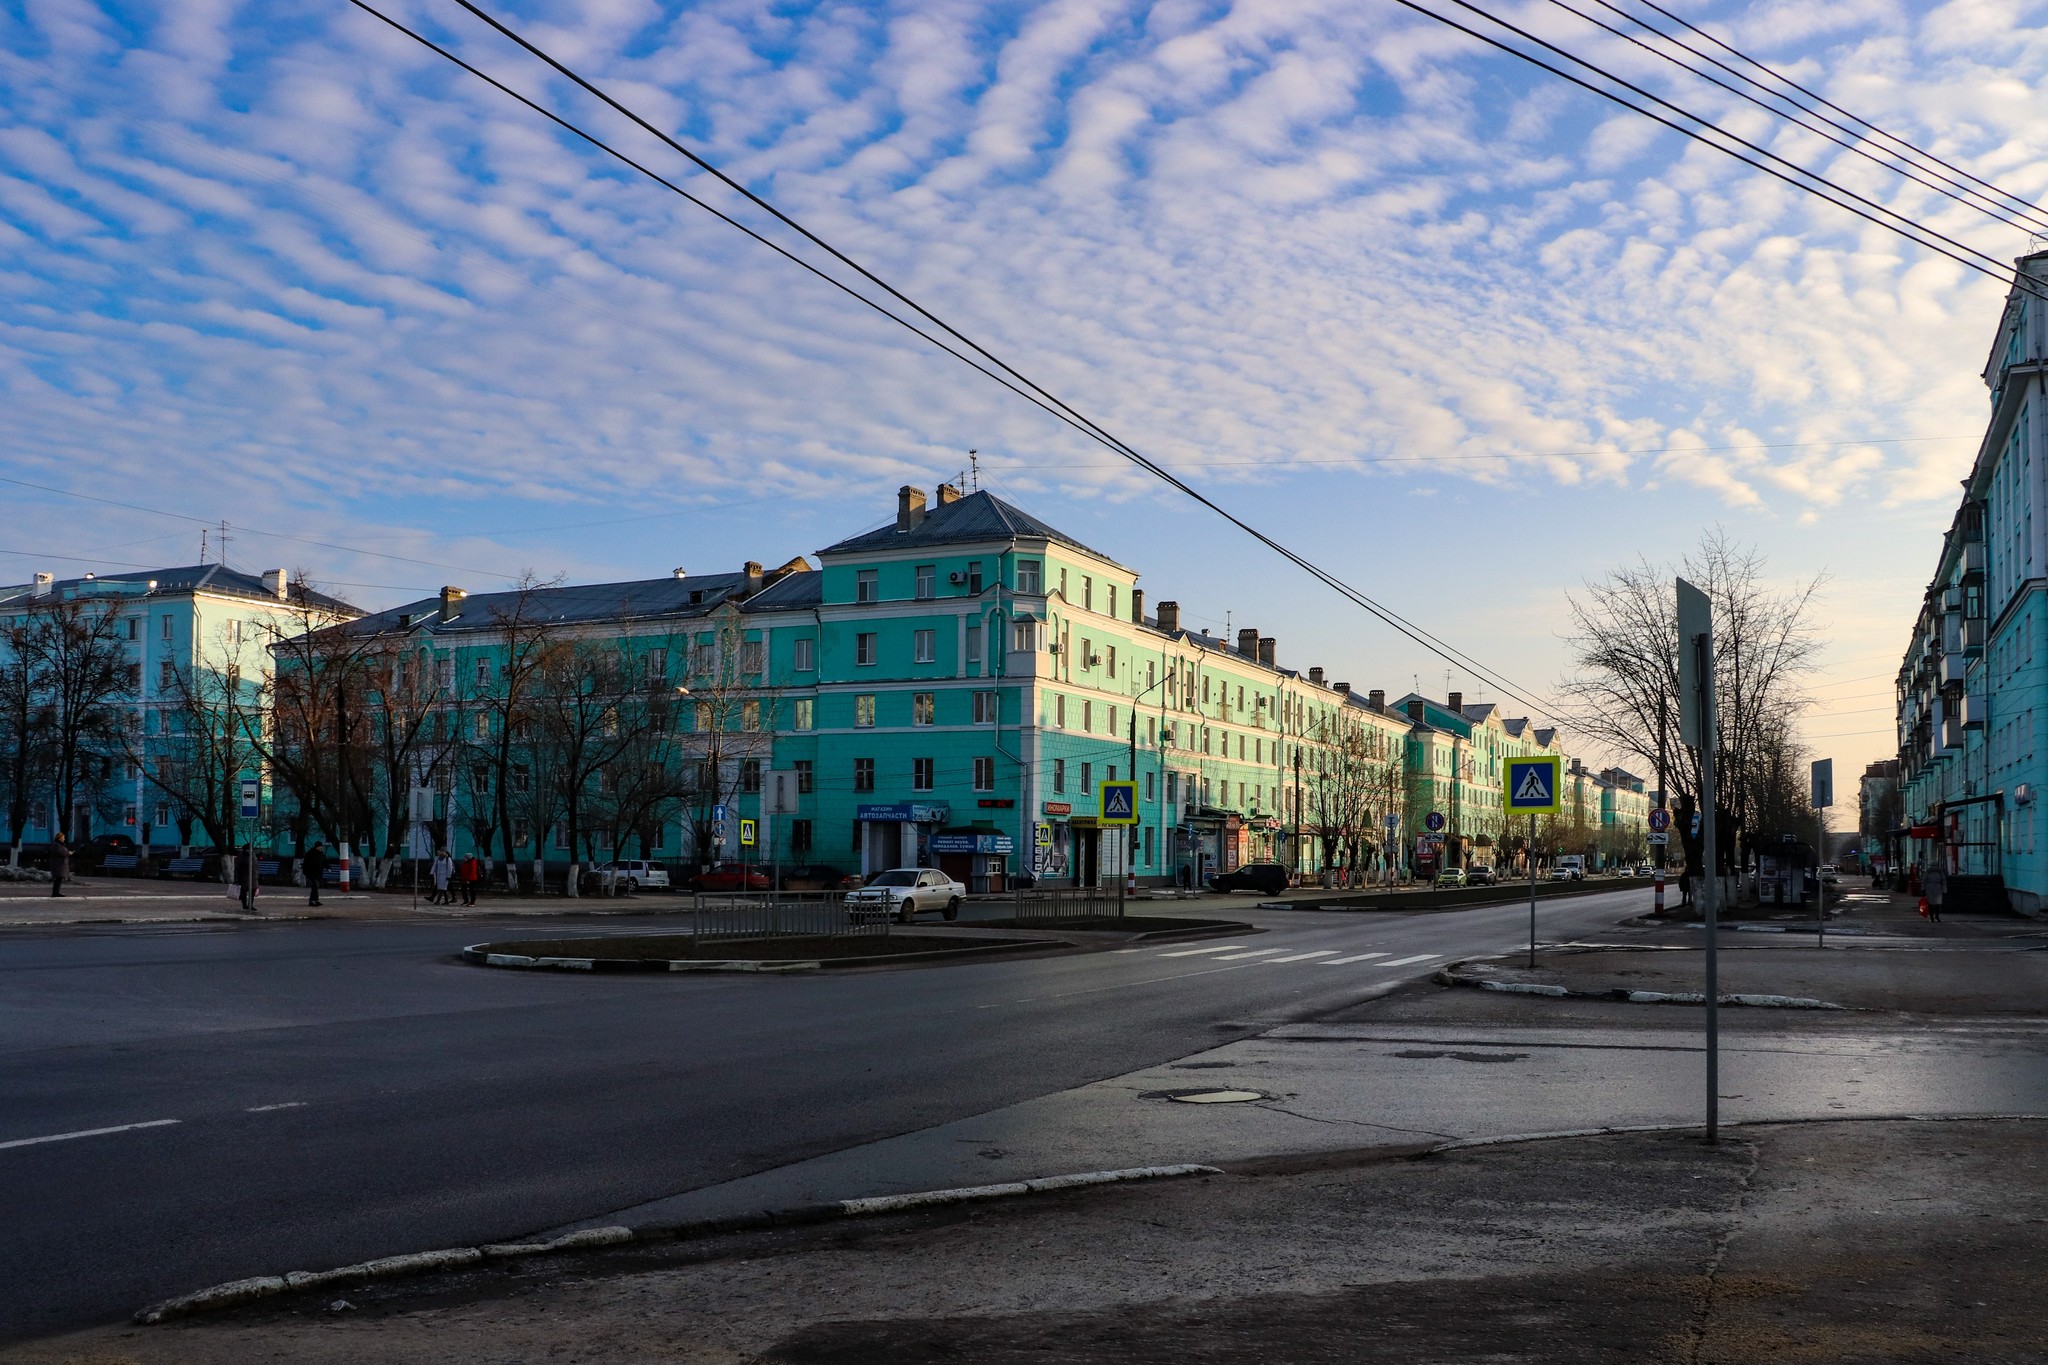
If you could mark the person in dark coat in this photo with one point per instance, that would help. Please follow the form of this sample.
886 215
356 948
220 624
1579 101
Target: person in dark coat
245 875
1934 886
60 865
315 865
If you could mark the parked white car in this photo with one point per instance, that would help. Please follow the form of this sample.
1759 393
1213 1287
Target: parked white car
906 891
637 876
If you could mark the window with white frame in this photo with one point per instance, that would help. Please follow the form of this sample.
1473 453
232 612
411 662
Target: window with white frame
867 586
805 656
750 657
864 710
974 648
750 715
984 774
1028 577
864 651
925 646
927 579
805 713
984 708
1059 774
1023 636
923 708
656 665
921 774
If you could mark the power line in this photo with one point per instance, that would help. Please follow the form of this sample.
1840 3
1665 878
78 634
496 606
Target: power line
995 368
1282 462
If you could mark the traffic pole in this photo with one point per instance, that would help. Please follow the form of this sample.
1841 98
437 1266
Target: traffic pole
1532 889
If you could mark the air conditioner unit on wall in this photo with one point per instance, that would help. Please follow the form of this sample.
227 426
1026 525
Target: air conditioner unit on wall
956 578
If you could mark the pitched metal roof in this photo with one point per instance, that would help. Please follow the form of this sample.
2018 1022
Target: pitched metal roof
979 516
217 579
645 599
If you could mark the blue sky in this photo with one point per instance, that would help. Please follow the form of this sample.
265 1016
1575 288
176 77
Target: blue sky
1461 333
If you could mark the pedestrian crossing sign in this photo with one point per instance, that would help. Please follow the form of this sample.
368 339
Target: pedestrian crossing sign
1534 786
1119 804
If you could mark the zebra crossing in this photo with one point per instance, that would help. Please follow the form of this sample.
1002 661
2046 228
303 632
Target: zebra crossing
1276 957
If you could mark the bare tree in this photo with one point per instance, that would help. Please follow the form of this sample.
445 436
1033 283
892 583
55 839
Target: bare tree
79 670
731 737
208 722
1624 686
25 730
317 743
526 638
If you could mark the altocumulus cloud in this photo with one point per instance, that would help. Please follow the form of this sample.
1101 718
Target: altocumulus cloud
281 249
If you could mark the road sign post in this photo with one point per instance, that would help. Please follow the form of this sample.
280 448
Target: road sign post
1823 797
1660 835
1533 786
1116 803
1697 727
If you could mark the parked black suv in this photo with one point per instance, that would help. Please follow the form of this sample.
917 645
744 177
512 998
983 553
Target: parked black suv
1266 878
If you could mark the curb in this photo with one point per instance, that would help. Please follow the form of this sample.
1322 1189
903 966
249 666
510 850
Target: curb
480 953
248 1290
1449 976
1559 1135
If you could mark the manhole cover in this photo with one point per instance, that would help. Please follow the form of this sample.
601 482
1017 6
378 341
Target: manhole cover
1216 1096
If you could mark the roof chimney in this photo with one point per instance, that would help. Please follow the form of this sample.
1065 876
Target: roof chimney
44 581
1415 706
752 569
1248 642
451 603
909 508
1267 644
1377 699
1344 688
1457 701
1169 617
277 582
679 572
948 494
1137 606
1315 675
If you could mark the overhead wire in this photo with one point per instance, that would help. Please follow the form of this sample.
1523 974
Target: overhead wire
994 368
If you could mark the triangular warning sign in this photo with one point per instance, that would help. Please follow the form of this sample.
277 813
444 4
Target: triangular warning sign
1533 787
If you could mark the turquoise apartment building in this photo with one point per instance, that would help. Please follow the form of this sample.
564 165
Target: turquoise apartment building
951 689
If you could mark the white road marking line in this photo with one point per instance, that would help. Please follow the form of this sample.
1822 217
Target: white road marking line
1302 957
1406 961
88 1132
1340 961
267 1108
1256 952
1220 948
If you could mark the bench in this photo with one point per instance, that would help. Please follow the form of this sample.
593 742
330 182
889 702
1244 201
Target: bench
120 862
179 867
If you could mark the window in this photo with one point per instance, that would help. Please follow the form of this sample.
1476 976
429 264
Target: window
805 655
706 660
1112 599
984 774
1240 699
1059 774
445 667
925 646
166 673
522 778
1087 717
974 648
1063 582
1023 637
799 837
163 813
481 725
703 717
1087 778
921 774
750 774
1148 845
479 779
1148 785
867 586
167 628
1112 720
927 582
863 774
974 578
1028 580
806 713
657 665
864 648
559 835
1087 593
1087 651
522 832
707 777
864 710
750 715
806 777
923 708
1059 711
1111 657
984 708
750 656
1205 690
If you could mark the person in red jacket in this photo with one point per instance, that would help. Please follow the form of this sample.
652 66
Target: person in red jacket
470 872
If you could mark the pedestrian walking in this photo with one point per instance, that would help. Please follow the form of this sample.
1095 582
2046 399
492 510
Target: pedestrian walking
245 876
1934 885
60 865
315 865
444 868
471 872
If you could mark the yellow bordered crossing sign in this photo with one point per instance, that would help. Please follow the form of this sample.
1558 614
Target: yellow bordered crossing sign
1533 786
1118 804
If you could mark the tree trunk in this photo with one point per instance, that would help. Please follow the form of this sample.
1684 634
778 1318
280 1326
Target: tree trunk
571 888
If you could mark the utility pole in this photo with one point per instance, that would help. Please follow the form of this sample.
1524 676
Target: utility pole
1696 724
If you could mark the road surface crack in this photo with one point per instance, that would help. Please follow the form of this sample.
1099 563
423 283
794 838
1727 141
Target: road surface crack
1357 1123
1703 1310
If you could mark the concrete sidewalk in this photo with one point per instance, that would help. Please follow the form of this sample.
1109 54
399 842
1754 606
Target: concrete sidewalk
1872 1242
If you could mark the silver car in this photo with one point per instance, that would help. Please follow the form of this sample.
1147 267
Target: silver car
634 876
904 892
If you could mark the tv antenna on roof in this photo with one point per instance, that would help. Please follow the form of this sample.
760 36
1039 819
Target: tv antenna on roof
974 467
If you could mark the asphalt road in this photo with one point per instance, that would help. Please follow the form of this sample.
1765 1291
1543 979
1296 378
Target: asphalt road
182 1106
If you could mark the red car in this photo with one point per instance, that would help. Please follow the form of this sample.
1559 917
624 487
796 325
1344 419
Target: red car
732 877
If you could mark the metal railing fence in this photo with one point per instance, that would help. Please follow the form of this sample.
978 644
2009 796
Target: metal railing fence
1055 903
773 914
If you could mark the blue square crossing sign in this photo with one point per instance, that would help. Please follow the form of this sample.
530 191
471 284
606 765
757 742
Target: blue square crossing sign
1119 804
1533 786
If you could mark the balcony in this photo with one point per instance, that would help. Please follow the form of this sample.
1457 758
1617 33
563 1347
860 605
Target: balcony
1973 559
1949 674
1973 635
1973 710
1951 732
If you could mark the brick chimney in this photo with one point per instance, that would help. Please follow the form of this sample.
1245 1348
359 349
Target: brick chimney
752 569
1342 689
1137 606
1415 710
1267 645
1169 617
451 603
277 582
1377 699
947 493
909 508
1315 675
1457 701
1248 642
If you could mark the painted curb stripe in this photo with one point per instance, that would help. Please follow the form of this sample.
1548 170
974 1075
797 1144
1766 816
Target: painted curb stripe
87 1132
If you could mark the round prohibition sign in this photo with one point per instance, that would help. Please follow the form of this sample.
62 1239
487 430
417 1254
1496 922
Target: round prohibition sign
1660 820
